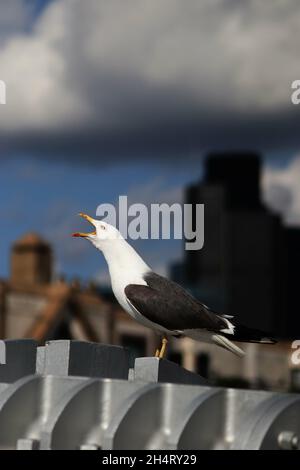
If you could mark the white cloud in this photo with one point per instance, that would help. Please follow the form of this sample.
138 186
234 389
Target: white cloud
282 190
123 64
34 69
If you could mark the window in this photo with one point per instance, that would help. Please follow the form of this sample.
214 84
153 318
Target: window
176 357
203 365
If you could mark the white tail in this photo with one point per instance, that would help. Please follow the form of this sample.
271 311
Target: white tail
227 344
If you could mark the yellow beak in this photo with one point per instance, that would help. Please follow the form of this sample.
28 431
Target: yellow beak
81 234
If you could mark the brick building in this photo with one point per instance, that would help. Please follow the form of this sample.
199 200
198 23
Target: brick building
32 305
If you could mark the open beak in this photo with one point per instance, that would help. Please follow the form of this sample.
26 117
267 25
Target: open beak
81 234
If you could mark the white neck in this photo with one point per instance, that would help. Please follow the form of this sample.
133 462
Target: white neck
123 259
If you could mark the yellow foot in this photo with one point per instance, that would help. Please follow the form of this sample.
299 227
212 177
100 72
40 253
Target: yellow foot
157 353
163 348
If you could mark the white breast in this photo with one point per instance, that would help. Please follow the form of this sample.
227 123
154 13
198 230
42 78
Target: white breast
119 283
127 267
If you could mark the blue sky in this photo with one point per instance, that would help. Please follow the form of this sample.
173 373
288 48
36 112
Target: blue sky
38 5
45 197
102 102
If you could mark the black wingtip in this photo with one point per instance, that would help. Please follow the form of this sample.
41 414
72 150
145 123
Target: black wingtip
252 335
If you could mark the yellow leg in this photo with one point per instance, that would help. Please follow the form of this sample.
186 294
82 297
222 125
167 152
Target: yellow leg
163 348
156 353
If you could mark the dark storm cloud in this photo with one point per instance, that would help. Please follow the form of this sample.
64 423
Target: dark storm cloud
158 139
99 80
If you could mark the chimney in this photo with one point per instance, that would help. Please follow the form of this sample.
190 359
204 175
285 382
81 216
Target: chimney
31 261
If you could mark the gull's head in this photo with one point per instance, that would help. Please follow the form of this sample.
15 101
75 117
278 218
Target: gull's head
103 233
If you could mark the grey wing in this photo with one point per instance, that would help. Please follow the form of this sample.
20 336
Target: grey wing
174 310
170 288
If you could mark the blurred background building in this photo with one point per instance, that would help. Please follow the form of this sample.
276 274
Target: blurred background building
250 262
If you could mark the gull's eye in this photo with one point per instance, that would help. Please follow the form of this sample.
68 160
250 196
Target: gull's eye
103 227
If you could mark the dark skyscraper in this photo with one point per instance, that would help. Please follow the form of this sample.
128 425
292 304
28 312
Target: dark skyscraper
239 178
243 268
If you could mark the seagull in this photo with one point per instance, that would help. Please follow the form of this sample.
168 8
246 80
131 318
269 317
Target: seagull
161 304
